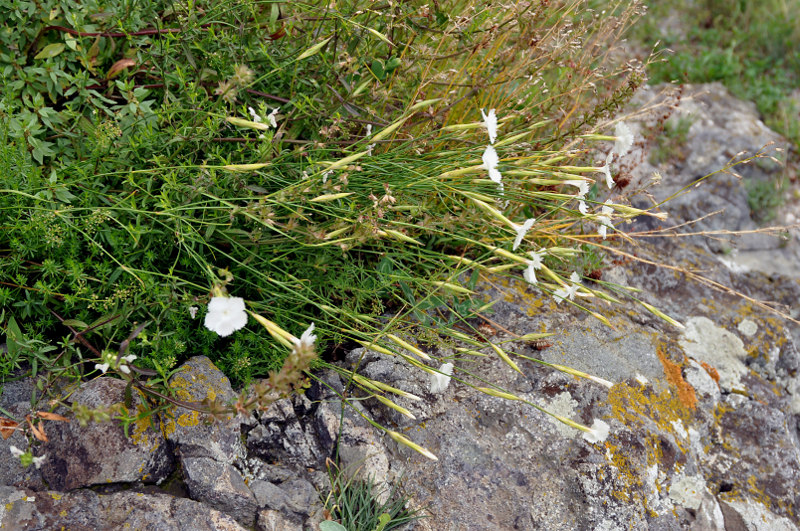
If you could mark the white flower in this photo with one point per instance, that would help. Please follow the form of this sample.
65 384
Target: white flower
369 129
568 292
597 433
370 147
490 160
192 311
606 170
225 315
125 369
439 382
624 138
533 264
102 367
490 121
16 452
604 219
521 231
37 461
307 339
256 118
583 187
271 118
130 358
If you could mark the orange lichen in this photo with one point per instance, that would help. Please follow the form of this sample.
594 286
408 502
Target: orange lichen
674 376
711 371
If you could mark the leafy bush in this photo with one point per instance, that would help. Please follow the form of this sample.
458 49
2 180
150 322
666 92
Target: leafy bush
327 164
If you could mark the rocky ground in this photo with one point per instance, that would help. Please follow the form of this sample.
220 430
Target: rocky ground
704 419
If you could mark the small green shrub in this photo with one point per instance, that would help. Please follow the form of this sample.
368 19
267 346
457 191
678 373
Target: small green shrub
354 504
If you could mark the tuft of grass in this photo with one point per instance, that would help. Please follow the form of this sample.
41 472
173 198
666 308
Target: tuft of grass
354 504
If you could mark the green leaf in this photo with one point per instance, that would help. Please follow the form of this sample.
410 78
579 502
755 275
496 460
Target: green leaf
330 525
75 323
51 50
377 69
64 195
383 520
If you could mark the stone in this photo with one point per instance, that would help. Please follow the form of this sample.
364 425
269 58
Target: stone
271 520
285 435
221 486
100 453
196 380
85 510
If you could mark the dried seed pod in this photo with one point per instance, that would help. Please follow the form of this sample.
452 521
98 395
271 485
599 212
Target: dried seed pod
595 274
486 329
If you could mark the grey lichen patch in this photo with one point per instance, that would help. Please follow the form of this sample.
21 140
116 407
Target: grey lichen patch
564 405
747 327
708 343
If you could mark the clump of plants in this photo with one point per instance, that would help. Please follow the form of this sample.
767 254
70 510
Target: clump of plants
348 170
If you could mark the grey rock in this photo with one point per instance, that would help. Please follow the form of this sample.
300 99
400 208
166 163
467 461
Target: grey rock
100 453
287 436
724 129
221 486
85 510
271 520
297 496
198 379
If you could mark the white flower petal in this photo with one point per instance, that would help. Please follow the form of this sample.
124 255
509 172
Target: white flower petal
490 122
490 158
521 231
494 174
102 367
530 274
581 185
271 118
254 114
598 433
225 315
624 138
308 338
439 382
582 207
16 452
37 461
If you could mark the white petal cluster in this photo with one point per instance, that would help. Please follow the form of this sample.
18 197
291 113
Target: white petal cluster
307 339
490 122
271 118
598 432
583 189
569 291
256 117
225 315
533 264
521 231
490 161
604 219
622 145
441 379
624 139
